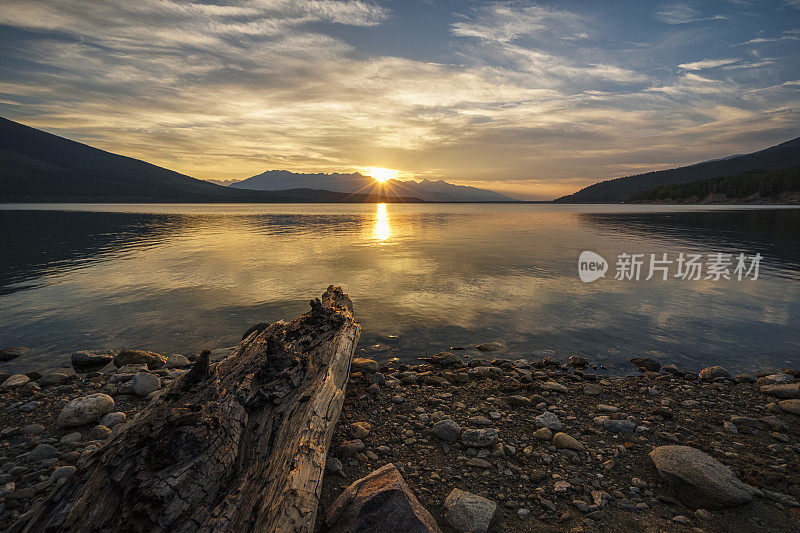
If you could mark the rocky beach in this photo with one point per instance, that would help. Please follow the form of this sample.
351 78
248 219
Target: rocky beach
470 443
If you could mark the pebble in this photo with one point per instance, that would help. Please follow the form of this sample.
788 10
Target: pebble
86 409
70 438
467 512
564 441
548 420
447 430
62 472
479 438
359 430
112 419
592 389
17 380
41 452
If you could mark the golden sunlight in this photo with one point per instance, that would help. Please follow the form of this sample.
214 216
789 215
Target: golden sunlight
382 174
382 230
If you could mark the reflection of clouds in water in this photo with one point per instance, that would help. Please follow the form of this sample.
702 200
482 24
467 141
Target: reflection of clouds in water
491 272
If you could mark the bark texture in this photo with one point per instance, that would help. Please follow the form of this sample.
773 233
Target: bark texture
234 446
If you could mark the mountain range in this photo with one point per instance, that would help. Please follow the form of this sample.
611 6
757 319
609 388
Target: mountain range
427 190
782 156
36 166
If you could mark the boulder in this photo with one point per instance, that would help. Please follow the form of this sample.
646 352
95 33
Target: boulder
469 513
447 430
361 364
89 361
699 480
714 372
12 352
381 502
17 380
153 360
81 411
144 383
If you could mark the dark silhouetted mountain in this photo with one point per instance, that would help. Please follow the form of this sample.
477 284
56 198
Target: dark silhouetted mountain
752 186
431 191
36 166
782 156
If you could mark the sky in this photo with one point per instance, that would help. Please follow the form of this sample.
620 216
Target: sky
532 99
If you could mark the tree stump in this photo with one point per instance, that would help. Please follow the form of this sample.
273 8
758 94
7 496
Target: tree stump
234 446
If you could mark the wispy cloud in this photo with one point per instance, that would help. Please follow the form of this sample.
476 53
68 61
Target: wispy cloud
680 13
707 64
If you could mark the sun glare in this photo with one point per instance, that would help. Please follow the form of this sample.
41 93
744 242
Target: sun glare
382 174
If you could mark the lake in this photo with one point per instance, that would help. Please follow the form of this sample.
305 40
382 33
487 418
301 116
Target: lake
423 277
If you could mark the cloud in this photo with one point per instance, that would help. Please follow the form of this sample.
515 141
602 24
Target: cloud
233 90
707 64
506 22
680 13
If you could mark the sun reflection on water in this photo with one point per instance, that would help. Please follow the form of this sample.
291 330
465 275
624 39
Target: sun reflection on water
382 230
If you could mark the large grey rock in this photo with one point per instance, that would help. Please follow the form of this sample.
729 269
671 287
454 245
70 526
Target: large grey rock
84 361
84 410
469 513
447 430
153 360
479 438
381 502
699 480
714 372
145 383
782 390
17 380
12 352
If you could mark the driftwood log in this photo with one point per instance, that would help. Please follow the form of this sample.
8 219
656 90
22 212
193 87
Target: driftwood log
234 446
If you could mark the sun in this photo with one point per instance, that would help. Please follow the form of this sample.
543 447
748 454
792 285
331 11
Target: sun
381 174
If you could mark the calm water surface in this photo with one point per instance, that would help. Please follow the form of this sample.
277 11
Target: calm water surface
180 278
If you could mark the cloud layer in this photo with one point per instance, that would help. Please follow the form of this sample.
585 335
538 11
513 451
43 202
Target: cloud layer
525 99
